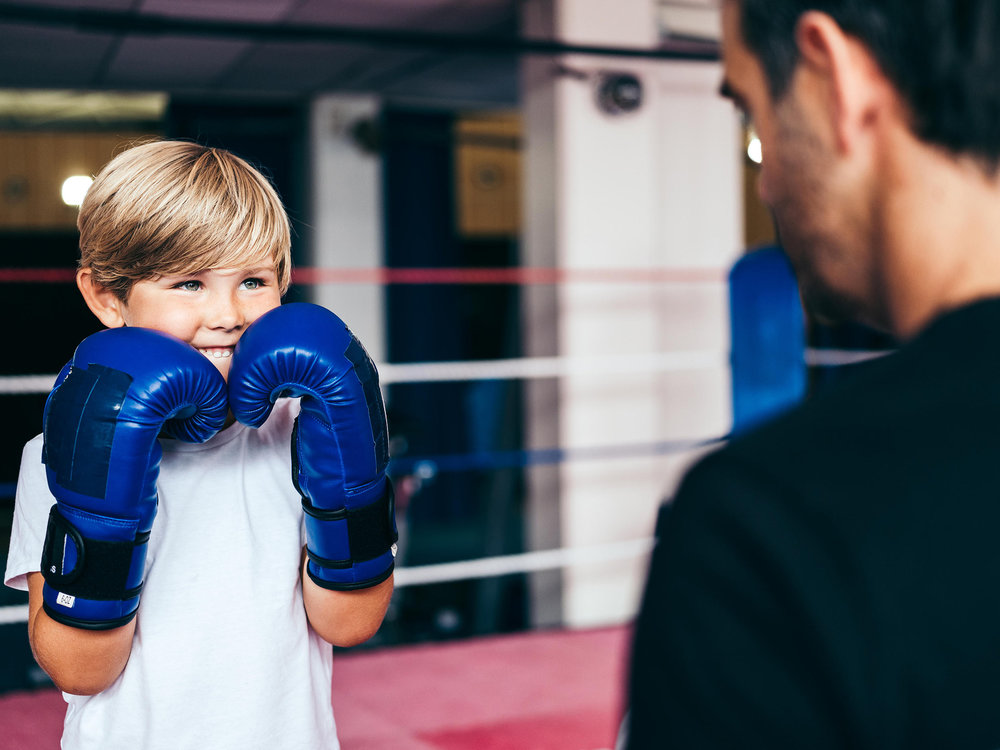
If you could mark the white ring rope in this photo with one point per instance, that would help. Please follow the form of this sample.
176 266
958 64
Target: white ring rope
538 367
547 367
13 614
486 567
525 562
25 384
839 357
525 369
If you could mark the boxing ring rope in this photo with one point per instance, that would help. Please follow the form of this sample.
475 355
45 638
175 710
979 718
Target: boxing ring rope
13 614
464 570
520 275
497 369
526 368
526 562
505 369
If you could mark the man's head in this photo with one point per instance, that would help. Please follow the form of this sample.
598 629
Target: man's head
174 207
846 96
941 56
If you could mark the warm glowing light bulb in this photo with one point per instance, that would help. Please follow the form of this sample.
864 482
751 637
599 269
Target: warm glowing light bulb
74 188
755 151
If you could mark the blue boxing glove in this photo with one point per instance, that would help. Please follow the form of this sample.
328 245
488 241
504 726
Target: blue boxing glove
339 442
101 422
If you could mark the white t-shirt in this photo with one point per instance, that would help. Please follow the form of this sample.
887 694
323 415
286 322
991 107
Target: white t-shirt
223 656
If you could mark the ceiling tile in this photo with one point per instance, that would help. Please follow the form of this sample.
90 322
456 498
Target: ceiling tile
249 11
467 79
475 16
292 67
32 57
168 62
116 5
53 52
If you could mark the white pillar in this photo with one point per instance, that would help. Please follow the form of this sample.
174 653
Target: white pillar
346 214
655 188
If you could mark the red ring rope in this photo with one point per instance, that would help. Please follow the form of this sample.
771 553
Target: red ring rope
523 275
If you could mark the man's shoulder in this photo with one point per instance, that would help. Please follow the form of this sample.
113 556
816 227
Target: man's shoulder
919 411
905 398
827 427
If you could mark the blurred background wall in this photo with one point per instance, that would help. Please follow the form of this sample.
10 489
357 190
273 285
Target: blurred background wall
575 153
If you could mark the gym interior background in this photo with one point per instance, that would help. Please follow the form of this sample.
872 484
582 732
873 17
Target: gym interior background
496 136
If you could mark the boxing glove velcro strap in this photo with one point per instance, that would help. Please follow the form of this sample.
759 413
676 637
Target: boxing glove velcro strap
355 534
88 568
327 579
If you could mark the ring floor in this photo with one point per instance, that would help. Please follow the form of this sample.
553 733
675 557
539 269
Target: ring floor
541 690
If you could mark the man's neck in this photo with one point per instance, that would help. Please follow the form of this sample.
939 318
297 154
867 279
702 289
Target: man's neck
939 236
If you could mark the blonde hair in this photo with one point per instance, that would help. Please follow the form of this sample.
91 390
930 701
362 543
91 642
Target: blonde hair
175 207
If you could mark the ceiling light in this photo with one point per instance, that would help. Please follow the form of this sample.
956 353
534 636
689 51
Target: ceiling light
74 188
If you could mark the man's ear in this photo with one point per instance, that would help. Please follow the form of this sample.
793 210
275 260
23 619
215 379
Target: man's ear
855 88
101 301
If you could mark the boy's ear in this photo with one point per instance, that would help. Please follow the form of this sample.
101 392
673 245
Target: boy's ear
101 301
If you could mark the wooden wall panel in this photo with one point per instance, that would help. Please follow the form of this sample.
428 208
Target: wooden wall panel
758 227
34 165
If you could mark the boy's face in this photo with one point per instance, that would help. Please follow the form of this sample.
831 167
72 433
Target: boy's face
209 310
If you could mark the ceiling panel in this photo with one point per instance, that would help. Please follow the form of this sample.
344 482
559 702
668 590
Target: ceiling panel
380 70
466 16
49 48
171 62
300 67
460 79
237 48
114 5
233 10
34 57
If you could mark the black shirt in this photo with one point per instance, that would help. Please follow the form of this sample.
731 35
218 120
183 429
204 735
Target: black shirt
832 580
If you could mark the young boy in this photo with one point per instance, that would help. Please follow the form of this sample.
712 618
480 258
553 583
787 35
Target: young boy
219 639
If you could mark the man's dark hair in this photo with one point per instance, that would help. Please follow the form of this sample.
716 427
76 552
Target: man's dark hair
943 56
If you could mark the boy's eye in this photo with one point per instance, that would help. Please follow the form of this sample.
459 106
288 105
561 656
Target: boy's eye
253 283
188 286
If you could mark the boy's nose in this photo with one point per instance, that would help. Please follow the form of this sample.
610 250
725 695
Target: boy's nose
226 313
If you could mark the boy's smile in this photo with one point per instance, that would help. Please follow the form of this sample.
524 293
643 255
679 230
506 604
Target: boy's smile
217 352
209 310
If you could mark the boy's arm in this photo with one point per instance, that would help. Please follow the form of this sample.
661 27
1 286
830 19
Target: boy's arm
339 459
80 662
101 455
345 618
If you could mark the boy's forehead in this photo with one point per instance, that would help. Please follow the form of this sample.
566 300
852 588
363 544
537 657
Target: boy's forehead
251 269
258 264
239 270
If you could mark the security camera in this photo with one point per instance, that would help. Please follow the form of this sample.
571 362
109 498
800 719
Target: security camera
618 93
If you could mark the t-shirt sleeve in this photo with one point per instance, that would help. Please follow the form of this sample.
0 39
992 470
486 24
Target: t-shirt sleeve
31 512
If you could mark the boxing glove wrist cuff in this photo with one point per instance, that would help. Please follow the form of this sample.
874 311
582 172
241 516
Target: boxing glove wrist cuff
59 616
90 580
351 548
339 580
